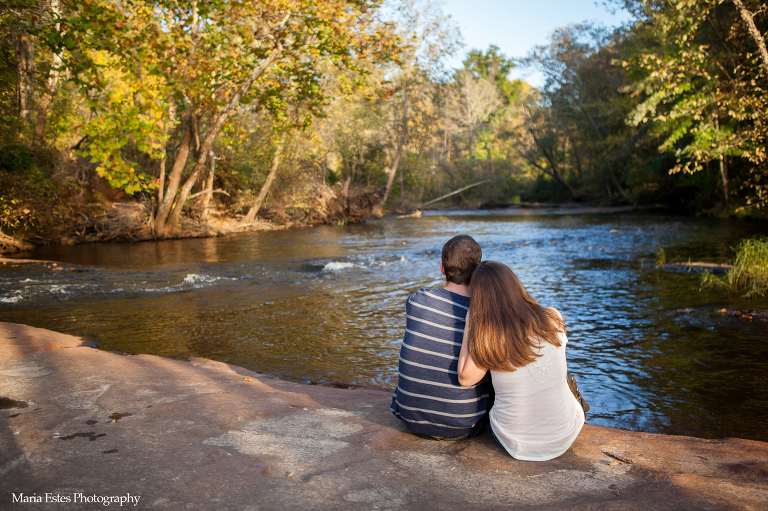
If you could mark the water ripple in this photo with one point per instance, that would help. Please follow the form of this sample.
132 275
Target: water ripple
650 351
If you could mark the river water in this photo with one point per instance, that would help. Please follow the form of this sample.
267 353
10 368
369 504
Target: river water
651 351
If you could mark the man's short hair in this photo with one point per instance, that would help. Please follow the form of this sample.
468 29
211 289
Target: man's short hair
461 255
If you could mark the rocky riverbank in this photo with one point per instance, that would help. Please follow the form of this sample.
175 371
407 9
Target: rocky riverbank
132 221
84 425
106 221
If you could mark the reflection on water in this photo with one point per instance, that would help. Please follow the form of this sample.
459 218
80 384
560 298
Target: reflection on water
650 350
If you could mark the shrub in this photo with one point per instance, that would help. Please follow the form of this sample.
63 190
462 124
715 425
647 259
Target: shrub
16 158
546 190
749 274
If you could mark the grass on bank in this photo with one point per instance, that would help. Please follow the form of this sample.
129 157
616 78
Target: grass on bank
661 256
749 274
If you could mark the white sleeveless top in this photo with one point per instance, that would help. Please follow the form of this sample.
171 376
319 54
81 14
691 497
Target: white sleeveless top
535 416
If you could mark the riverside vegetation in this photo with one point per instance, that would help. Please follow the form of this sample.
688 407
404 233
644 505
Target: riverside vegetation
749 275
141 120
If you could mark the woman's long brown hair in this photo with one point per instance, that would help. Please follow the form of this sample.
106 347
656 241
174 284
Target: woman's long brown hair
505 323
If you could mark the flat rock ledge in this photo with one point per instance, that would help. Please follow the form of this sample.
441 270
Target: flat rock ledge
83 424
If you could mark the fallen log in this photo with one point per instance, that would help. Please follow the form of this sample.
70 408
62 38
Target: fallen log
699 267
454 193
9 245
52 265
415 214
749 314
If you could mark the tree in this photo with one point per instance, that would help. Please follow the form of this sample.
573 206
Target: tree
21 21
472 101
432 36
703 88
207 59
251 215
493 65
576 126
541 145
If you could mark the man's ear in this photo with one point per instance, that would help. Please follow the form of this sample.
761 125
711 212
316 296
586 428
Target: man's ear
442 269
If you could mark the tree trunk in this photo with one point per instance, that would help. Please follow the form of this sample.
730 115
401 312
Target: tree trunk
724 176
161 179
378 209
618 186
174 179
575 153
553 168
164 220
251 216
723 169
754 32
353 173
42 112
552 172
324 168
45 102
490 157
207 147
209 185
50 87
25 52
164 159
575 195
345 188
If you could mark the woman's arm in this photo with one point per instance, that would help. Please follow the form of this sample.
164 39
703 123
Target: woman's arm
469 372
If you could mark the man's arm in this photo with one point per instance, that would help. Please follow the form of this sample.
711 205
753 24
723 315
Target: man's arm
469 372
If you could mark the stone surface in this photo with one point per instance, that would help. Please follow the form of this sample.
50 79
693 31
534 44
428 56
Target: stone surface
204 435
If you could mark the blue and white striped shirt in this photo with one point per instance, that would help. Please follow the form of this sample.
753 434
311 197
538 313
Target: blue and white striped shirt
428 398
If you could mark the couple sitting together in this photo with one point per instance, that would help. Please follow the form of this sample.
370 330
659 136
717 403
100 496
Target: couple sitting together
483 321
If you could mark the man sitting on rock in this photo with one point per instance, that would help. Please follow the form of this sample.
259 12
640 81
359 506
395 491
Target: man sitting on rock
428 398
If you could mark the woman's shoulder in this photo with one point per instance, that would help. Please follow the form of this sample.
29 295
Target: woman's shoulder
558 318
555 312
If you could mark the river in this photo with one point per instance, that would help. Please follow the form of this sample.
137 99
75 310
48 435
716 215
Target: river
650 350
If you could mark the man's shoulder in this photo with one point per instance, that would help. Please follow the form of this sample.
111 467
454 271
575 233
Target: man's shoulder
439 296
437 307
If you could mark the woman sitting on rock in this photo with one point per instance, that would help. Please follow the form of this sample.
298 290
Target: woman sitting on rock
536 416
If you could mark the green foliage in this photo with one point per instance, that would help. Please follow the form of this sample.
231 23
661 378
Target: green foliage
16 159
14 215
136 76
661 255
13 131
702 88
749 275
574 128
28 201
494 65
147 66
547 190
